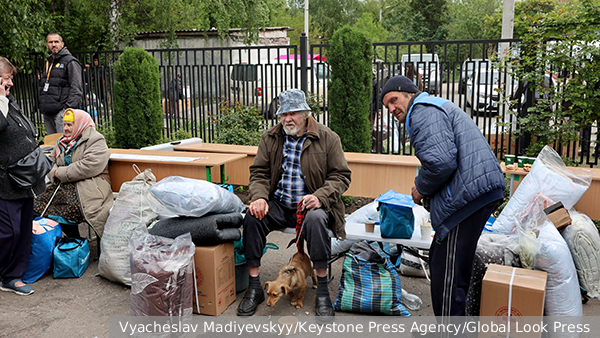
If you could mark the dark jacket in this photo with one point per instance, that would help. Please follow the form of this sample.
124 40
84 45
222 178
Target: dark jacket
17 139
65 89
326 172
458 168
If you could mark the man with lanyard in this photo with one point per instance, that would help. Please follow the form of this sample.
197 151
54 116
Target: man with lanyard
460 181
299 171
60 84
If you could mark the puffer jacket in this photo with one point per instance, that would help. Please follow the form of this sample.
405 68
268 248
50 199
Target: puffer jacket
65 88
459 171
17 139
326 172
89 168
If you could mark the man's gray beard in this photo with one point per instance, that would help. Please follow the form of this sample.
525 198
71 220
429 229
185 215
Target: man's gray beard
293 132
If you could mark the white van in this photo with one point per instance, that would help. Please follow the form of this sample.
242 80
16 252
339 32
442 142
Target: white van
260 84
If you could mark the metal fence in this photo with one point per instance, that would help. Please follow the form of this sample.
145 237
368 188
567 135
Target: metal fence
465 72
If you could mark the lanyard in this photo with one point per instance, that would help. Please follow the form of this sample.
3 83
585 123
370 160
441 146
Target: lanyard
48 70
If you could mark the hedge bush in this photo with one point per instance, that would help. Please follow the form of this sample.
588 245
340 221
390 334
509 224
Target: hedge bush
350 88
137 111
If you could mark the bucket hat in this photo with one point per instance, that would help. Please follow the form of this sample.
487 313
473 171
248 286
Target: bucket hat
292 100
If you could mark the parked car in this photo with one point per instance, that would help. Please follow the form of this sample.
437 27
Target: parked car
428 66
484 89
467 69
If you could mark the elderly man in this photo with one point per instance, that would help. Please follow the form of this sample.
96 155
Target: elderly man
60 84
299 161
460 179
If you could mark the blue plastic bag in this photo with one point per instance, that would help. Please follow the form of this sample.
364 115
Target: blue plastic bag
396 215
42 246
71 257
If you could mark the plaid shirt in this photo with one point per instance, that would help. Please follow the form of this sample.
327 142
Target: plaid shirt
291 187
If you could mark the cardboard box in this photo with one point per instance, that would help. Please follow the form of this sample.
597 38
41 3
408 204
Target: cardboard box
558 215
215 279
528 291
528 294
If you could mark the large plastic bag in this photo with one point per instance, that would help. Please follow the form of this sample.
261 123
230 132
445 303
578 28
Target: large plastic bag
161 274
182 196
551 177
541 247
563 296
584 243
132 208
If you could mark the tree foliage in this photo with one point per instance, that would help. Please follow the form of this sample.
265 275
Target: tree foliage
563 43
330 15
137 112
350 58
526 13
21 22
468 19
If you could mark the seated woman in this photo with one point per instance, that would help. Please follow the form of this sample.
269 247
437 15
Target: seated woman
80 174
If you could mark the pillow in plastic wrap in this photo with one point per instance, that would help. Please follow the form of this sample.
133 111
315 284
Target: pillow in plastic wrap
491 249
563 297
207 230
182 196
584 243
549 176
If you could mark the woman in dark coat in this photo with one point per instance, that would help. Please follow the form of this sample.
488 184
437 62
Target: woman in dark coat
17 139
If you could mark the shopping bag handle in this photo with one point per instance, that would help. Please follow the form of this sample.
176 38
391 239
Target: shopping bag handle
65 240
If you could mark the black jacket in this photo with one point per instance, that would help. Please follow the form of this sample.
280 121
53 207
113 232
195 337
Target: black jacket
65 88
17 139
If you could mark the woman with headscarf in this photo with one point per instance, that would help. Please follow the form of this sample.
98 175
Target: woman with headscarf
17 139
80 174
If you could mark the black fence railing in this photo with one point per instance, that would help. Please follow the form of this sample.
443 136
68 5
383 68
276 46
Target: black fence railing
465 72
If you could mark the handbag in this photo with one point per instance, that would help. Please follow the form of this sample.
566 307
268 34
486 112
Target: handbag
396 215
30 169
369 283
71 257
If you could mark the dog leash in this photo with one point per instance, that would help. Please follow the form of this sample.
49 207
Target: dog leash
300 213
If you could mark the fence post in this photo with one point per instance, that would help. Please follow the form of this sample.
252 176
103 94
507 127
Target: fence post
303 62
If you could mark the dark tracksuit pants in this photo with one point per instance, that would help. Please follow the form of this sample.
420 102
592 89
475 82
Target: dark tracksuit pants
451 264
315 232
16 218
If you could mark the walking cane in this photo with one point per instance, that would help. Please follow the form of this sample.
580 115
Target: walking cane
50 201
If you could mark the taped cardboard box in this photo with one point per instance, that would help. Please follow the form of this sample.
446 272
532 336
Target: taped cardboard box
558 215
523 289
215 279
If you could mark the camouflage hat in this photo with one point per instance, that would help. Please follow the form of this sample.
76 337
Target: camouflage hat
292 100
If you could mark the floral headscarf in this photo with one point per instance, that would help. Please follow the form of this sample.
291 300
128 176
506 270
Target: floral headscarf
67 144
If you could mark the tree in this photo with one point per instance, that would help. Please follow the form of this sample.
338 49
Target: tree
21 22
526 12
330 15
435 13
350 58
137 112
564 43
468 19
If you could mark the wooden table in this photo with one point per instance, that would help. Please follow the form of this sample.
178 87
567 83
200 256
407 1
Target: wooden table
167 163
237 172
372 174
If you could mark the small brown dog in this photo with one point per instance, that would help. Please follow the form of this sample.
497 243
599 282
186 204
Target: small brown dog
291 276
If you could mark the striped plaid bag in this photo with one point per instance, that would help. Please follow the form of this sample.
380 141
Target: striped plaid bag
369 284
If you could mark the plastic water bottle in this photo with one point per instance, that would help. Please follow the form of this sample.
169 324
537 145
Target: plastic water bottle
413 302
